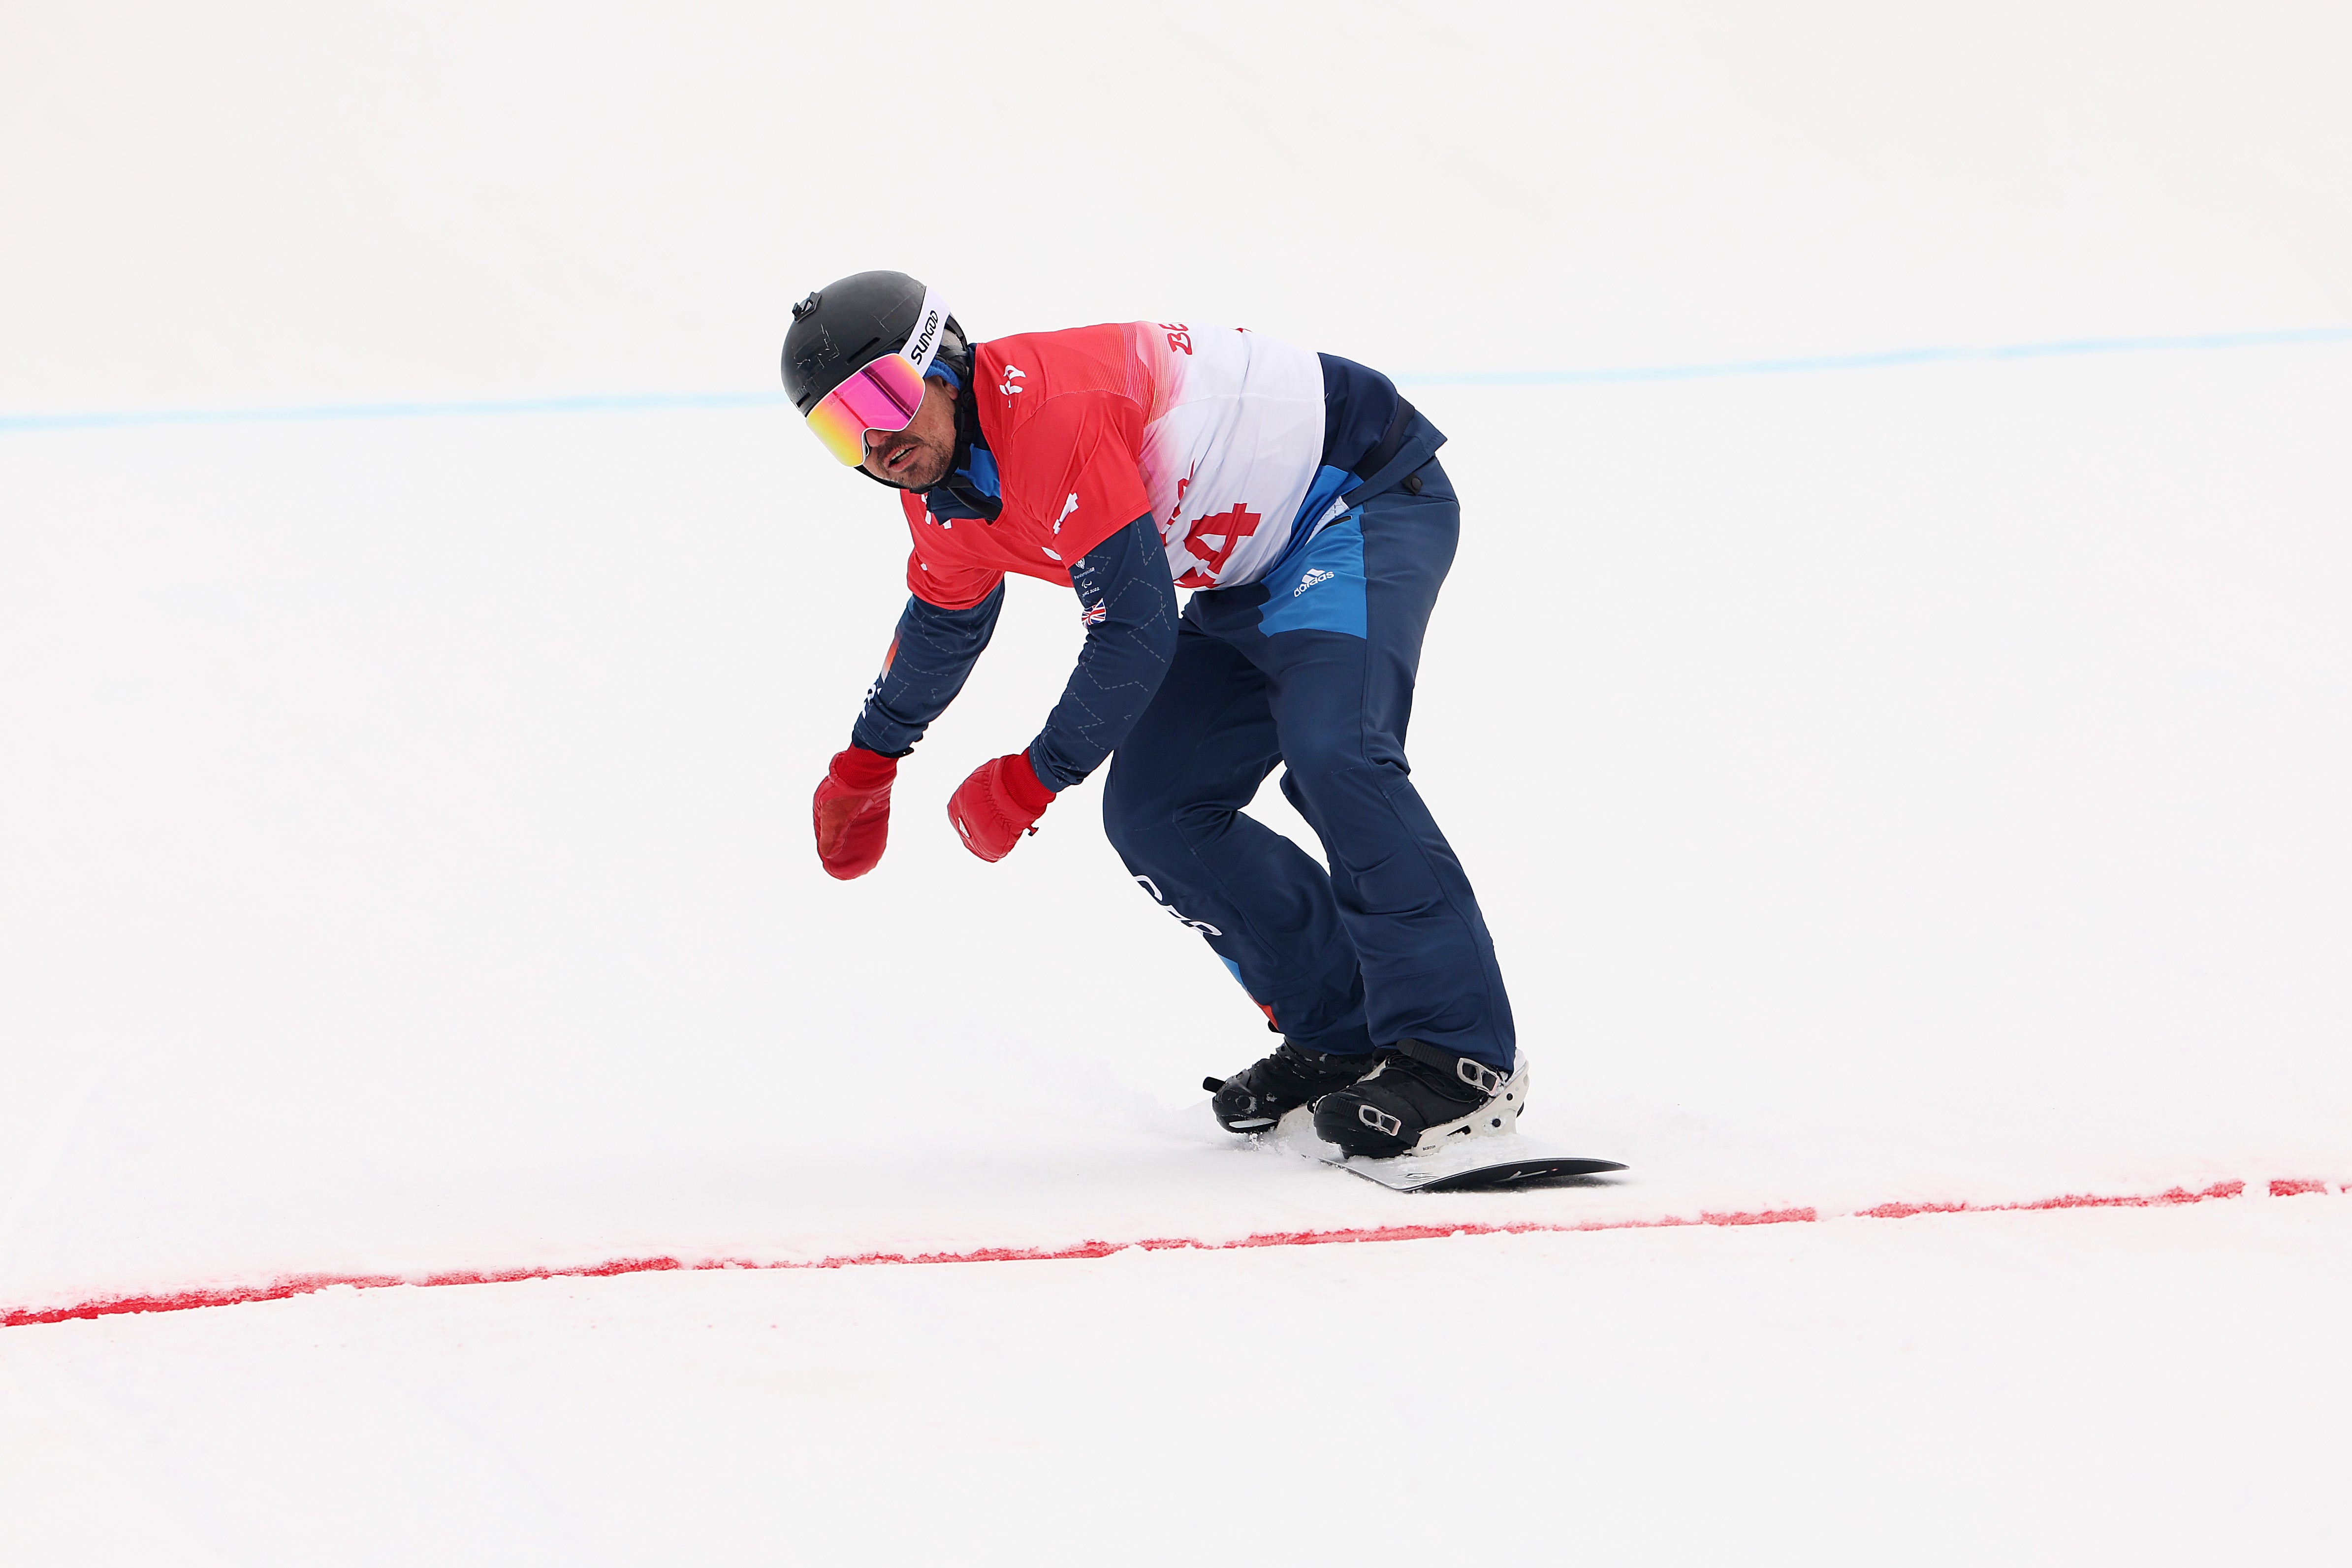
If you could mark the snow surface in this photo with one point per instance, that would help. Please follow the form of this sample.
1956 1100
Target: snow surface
1918 786
2103 1388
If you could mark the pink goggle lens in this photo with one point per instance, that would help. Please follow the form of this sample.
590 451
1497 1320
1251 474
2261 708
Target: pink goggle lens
882 395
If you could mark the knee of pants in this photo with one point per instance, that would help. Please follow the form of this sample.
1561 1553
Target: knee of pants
1320 760
1136 820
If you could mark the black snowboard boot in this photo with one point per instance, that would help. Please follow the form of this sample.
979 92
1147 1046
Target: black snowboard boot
1420 1097
1254 1098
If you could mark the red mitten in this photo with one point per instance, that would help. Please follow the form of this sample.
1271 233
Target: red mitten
1000 801
852 811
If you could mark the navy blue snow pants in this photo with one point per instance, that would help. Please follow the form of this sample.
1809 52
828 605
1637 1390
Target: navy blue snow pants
1313 667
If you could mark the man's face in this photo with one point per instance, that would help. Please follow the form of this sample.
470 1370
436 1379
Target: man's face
920 456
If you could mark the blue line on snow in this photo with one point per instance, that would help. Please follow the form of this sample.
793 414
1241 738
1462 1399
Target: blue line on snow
592 403
645 402
1886 359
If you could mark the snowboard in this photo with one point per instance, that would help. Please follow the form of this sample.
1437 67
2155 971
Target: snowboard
1492 1163
1477 1165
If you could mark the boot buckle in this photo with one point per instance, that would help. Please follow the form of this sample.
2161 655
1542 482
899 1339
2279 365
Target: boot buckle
1480 1077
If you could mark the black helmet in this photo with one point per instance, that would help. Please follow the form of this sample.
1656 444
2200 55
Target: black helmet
854 322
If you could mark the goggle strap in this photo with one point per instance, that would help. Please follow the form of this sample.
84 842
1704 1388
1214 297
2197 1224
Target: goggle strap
931 328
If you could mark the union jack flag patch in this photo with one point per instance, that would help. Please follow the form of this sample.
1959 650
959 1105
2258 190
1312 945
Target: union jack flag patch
1094 613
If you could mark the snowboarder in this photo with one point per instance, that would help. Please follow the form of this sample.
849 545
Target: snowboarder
1300 496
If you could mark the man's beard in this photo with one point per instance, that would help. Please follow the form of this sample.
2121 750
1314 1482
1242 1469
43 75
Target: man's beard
944 472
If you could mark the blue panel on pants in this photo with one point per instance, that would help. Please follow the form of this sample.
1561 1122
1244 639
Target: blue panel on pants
1327 593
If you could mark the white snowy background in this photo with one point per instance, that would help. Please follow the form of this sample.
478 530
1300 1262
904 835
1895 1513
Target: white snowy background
1918 784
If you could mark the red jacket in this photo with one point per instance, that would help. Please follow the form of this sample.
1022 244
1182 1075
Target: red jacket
1212 433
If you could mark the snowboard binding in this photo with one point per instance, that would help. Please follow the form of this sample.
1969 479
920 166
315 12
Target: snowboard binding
1257 1098
1419 1099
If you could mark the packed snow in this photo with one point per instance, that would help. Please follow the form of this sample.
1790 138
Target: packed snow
1894 787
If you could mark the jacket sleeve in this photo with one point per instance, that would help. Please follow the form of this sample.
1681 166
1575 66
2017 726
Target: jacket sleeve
1128 603
927 665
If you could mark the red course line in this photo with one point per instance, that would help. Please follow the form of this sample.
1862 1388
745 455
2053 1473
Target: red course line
289 1285
2295 1187
2171 1199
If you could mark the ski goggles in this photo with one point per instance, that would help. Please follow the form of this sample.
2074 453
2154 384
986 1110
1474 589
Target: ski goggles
883 394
